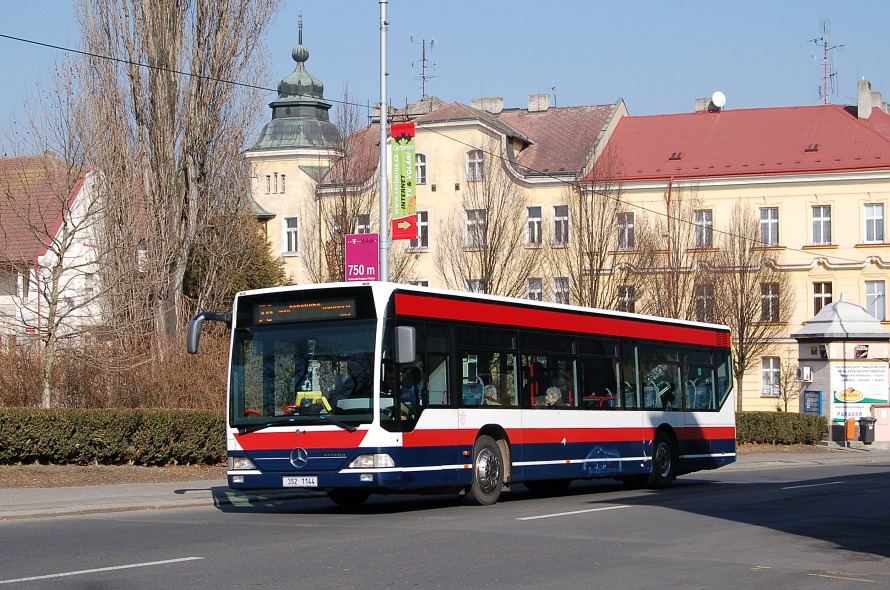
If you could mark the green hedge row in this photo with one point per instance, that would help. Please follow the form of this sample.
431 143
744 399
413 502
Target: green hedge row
112 437
780 428
184 437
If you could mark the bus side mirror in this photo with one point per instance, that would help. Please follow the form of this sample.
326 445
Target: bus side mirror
194 333
406 344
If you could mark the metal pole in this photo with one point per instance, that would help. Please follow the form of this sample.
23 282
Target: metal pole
384 133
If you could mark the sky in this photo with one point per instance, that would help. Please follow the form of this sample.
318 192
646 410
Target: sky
658 56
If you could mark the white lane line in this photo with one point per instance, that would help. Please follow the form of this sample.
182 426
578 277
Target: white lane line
813 485
574 512
100 569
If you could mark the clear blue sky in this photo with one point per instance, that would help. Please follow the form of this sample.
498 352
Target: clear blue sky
658 56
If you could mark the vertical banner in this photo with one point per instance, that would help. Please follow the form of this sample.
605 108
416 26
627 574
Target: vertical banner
404 196
362 257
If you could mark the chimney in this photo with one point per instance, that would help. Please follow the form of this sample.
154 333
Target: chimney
538 103
491 104
701 104
865 96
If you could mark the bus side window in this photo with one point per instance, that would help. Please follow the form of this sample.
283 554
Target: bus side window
437 346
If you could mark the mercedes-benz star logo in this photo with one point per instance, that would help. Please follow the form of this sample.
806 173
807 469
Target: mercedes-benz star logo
299 457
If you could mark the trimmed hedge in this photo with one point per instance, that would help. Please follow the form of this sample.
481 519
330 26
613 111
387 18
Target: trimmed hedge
112 437
780 428
189 437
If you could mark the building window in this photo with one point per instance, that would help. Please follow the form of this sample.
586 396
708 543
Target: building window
561 290
89 284
704 302
769 226
283 187
770 371
423 231
291 235
822 224
535 289
9 281
475 165
625 231
476 285
874 299
533 235
363 223
769 302
561 225
268 184
420 283
420 168
476 228
704 221
626 298
874 223
821 296
275 182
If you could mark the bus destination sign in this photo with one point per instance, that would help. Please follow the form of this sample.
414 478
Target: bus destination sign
304 311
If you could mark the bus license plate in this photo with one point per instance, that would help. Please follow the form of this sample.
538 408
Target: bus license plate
300 481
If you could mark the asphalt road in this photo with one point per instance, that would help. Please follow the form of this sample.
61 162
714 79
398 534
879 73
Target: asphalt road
767 524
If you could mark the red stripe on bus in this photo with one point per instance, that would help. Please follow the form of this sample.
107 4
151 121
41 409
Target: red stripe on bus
307 439
514 315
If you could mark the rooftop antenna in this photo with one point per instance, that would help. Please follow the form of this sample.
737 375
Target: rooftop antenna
424 76
828 71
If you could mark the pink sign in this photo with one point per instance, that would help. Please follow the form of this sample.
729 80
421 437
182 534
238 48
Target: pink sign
362 257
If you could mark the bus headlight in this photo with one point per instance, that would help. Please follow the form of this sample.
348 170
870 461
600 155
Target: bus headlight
369 461
240 463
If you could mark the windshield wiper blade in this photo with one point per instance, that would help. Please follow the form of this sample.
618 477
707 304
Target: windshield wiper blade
319 417
335 422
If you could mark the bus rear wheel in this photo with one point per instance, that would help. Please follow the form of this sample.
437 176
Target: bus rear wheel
664 464
348 498
488 473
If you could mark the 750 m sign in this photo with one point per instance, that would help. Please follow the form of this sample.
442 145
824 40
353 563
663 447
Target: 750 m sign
362 257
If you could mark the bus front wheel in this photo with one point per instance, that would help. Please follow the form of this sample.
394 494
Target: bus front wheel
664 463
488 473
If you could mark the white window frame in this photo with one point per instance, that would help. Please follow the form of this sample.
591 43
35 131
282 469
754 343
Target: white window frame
476 220
534 226
769 226
283 185
704 226
535 288
363 223
769 302
770 371
822 295
626 231
874 223
476 285
290 235
561 229
423 232
627 298
475 165
875 301
821 225
420 168
268 184
562 290
705 302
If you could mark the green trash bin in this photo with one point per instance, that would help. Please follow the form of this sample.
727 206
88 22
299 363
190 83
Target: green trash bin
867 429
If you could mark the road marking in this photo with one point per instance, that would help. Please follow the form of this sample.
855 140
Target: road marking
835 577
100 569
813 485
573 512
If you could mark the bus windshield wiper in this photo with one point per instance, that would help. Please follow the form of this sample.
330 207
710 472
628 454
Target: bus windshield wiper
335 422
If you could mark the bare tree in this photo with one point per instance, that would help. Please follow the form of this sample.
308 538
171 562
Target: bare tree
789 385
482 246
592 260
48 208
168 143
753 294
678 253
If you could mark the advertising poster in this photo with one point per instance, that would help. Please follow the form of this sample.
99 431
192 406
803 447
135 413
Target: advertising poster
404 193
855 387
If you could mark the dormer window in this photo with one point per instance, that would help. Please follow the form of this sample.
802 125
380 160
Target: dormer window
676 155
812 147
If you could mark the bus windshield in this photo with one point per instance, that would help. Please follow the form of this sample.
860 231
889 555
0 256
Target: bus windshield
301 373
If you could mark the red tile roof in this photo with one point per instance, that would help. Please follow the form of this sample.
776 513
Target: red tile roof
33 192
751 142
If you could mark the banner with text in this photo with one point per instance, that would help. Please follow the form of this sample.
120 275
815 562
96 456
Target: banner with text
404 196
362 257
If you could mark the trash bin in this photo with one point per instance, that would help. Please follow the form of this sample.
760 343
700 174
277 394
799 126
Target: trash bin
867 429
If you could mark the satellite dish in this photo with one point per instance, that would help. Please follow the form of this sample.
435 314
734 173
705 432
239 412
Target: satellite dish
719 99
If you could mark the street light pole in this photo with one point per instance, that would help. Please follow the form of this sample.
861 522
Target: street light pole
384 133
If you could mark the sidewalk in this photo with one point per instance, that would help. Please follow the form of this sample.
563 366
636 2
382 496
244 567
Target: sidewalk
17 503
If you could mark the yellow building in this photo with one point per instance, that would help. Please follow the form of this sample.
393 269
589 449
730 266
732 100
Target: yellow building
818 178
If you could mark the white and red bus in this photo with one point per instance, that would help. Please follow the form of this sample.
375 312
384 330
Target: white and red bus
361 388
